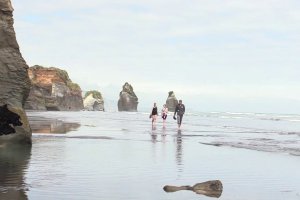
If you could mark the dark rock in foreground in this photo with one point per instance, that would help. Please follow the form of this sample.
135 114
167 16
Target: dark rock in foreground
171 101
209 188
14 82
93 101
52 89
128 101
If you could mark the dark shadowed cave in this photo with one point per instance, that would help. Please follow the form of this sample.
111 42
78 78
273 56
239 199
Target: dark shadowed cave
8 121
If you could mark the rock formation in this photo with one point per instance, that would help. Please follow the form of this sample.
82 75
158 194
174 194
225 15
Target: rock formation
171 101
14 82
128 101
52 89
212 188
93 101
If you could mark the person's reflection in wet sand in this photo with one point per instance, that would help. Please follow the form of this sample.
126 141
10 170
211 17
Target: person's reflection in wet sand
163 134
179 150
14 161
153 134
154 137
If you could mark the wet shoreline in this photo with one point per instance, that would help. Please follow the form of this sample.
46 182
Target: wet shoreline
85 155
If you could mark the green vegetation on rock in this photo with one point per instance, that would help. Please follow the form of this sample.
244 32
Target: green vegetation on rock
73 86
96 94
62 74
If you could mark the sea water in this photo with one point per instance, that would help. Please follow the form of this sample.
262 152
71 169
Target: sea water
120 155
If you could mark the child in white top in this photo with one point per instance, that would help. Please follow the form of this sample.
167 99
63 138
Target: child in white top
164 113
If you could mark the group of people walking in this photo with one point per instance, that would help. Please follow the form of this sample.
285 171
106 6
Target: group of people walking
179 110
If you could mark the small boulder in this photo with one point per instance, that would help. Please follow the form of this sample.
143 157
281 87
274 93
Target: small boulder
213 188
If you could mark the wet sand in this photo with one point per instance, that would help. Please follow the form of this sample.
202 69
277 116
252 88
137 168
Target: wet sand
120 156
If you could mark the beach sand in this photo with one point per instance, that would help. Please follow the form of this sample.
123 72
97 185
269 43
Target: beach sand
97 155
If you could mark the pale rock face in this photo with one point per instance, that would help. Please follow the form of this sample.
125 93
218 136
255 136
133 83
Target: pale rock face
171 101
128 101
14 80
93 104
59 90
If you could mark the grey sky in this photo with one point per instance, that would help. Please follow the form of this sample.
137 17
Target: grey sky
217 55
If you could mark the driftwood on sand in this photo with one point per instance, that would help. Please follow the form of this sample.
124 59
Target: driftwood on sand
212 188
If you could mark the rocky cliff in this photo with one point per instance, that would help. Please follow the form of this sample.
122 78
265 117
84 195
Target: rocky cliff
128 101
52 89
14 82
171 101
93 101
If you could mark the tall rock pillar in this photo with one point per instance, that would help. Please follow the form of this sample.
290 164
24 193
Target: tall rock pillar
14 82
171 101
128 101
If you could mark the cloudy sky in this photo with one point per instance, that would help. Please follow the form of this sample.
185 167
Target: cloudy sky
216 55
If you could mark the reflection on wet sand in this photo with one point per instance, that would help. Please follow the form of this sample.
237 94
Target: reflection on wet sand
163 134
154 134
13 164
45 125
154 137
178 140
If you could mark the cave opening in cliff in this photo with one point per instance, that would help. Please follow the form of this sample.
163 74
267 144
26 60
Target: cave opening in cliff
52 108
8 121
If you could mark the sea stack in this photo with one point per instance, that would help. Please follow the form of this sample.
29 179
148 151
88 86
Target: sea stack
14 82
171 101
53 90
128 101
93 101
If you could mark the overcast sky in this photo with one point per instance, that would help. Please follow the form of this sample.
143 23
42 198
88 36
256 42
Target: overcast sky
216 55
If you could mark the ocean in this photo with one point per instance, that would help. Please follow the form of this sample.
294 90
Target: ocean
120 155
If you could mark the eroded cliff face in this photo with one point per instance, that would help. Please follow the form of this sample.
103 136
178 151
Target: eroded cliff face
52 89
14 82
171 101
128 101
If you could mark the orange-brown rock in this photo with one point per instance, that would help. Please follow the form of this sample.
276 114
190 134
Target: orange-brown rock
52 89
45 76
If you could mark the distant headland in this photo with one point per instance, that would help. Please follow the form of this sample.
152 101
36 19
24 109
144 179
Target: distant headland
53 90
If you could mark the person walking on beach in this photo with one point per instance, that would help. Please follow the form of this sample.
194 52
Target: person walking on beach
180 110
164 114
154 114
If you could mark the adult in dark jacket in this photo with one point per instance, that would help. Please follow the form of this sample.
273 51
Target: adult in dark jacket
180 110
